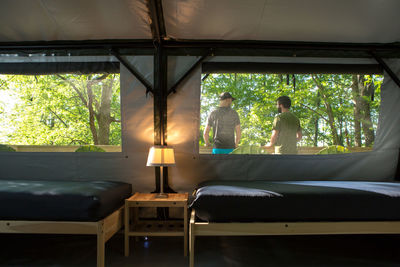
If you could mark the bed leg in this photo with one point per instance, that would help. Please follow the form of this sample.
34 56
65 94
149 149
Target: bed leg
126 229
185 232
100 244
191 239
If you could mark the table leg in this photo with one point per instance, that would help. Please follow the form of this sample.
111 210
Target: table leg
126 233
185 230
135 220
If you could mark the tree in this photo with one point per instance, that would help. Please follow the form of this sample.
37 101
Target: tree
363 90
68 109
357 112
323 103
99 109
329 111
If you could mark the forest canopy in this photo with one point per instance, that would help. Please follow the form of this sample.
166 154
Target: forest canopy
338 112
60 109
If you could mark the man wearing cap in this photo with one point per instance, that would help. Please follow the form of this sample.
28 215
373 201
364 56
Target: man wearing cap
226 126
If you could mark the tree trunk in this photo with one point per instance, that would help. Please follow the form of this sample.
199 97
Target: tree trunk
91 112
346 131
340 120
356 112
329 111
331 118
316 132
104 113
316 120
97 111
366 91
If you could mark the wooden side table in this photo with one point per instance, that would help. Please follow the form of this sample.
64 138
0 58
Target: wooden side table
155 227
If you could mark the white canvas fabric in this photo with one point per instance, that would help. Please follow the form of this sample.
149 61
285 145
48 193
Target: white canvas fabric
284 20
388 133
49 20
192 168
355 21
137 137
183 135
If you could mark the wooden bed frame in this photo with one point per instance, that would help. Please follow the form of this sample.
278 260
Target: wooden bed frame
104 229
286 228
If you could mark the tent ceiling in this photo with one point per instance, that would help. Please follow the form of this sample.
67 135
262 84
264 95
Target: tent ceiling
349 21
54 20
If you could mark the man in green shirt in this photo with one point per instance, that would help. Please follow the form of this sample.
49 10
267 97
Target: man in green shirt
286 131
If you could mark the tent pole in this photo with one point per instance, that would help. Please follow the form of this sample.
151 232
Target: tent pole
160 105
386 68
160 83
195 65
157 20
134 72
157 27
197 47
290 45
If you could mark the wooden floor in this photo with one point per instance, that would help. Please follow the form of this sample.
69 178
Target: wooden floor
50 250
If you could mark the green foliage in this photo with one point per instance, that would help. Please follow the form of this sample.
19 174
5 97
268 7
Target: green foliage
249 149
333 150
54 109
90 148
6 148
314 99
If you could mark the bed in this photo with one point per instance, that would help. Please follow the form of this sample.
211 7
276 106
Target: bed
240 208
63 207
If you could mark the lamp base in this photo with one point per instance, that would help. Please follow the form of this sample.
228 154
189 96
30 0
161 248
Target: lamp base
162 195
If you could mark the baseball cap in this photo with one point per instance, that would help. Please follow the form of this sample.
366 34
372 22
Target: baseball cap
226 95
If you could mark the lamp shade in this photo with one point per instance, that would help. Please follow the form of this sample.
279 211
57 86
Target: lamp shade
161 156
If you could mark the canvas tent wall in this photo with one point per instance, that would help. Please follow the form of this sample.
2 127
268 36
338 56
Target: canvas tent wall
342 21
161 40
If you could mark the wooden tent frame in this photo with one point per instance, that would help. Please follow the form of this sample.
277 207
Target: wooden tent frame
104 229
285 228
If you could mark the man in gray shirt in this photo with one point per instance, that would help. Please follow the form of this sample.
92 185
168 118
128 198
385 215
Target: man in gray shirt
226 126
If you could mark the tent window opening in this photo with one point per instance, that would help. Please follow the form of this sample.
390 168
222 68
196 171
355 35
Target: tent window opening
66 110
332 112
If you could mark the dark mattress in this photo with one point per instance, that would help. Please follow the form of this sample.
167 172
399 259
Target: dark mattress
60 200
269 201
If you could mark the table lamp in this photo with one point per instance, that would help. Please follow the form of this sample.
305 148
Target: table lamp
161 156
